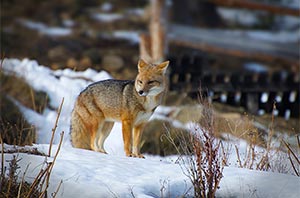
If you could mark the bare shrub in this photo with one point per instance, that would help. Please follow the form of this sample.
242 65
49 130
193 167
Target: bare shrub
202 159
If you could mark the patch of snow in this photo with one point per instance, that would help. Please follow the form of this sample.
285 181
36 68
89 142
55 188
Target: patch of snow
106 7
244 17
287 114
237 96
69 23
106 18
223 97
275 112
132 36
252 183
135 11
292 97
286 22
261 112
44 29
277 37
281 36
278 98
264 97
251 18
291 3
255 67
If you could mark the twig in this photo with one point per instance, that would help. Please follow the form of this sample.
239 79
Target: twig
57 189
52 164
292 163
238 156
290 151
2 157
37 180
55 126
21 183
1 62
32 99
293 153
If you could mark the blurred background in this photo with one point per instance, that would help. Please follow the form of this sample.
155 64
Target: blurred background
243 54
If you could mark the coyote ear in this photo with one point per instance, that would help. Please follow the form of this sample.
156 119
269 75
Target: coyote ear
141 64
163 66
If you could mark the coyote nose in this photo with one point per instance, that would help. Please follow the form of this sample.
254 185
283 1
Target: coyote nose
141 92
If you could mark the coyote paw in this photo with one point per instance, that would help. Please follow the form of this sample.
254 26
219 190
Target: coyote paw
102 151
137 155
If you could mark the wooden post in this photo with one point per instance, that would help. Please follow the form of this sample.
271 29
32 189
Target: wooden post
158 30
145 47
153 46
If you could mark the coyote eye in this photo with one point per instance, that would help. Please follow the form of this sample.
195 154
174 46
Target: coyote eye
151 82
140 82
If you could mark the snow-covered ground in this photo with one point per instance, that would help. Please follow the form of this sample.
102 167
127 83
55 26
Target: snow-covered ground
90 174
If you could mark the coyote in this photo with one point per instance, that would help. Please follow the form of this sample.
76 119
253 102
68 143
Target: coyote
131 102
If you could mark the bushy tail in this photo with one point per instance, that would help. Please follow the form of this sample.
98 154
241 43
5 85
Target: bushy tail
79 136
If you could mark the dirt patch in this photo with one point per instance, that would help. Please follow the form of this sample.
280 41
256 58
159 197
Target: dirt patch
14 128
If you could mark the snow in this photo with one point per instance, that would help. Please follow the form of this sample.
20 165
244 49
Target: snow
44 29
69 23
252 183
269 36
135 12
255 67
243 17
100 175
106 17
281 36
91 174
132 36
264 97
292 97
290 3
106 7
58 84
250 18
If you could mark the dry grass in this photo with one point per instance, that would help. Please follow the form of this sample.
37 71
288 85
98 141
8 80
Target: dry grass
265 153
155 138
16 87
15 130
10 184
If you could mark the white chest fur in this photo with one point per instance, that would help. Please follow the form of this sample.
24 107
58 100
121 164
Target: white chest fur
149 105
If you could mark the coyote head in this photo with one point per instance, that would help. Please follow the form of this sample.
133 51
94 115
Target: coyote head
150 80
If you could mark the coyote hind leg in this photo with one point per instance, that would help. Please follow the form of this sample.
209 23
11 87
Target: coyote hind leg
103 131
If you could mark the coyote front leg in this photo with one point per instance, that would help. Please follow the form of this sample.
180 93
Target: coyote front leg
137 135
127 130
